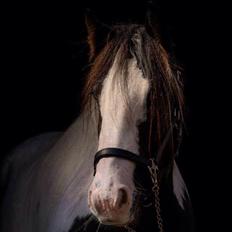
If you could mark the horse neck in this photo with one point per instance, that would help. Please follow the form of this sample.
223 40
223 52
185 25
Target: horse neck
77 145
66 173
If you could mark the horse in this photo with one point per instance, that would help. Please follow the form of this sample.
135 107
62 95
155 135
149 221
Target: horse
114 168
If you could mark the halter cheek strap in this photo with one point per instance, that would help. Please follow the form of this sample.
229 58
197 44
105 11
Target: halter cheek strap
120 153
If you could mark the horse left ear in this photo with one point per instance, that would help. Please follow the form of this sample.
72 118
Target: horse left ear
151 19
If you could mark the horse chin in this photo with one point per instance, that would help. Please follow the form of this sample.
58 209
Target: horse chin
112 222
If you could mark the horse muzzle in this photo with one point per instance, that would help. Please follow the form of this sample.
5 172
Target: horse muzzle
111 207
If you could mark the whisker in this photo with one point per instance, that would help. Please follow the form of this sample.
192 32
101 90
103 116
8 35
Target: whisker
98 228
86 223
140 191
129 229
138 185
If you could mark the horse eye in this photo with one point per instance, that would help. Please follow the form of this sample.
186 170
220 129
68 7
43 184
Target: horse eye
94 94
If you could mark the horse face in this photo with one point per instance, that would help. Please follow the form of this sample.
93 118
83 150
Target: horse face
123 108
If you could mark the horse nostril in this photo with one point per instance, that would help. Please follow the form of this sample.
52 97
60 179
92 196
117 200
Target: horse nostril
123 197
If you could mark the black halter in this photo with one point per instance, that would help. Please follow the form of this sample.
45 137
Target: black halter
125 154
120 153
150 164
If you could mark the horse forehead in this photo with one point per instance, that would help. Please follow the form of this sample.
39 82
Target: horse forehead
135 83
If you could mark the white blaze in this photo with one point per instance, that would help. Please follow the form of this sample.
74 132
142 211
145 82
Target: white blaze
122 107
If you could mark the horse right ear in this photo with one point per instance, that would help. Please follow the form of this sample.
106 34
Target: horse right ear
96 32
91 33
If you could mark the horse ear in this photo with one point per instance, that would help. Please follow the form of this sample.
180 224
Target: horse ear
91 34
151 19
96 32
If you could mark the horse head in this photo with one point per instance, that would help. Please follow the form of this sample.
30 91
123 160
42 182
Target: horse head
131 83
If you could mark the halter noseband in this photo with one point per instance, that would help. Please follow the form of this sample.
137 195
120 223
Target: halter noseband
120 153
125 154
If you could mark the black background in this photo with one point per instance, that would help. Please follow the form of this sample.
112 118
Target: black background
44 62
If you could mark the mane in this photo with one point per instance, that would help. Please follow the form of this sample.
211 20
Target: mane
165 100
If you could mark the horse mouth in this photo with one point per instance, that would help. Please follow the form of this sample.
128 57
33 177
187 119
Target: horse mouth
109 222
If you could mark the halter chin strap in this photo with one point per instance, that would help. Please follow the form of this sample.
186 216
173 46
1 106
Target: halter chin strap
120 153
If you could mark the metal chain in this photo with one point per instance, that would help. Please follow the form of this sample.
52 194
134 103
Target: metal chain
153 169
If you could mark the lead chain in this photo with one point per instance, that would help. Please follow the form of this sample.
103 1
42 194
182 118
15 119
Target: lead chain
153 169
